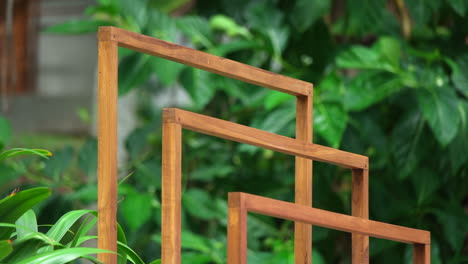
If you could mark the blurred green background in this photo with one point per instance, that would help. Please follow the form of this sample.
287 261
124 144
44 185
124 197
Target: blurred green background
390 82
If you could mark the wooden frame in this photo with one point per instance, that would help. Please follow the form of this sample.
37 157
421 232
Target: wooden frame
109 38
242 203
175 119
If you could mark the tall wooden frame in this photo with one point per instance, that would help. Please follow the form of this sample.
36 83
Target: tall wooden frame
109 38
242 203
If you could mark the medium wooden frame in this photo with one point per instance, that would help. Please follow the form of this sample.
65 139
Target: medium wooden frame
175 119
109 38
242 203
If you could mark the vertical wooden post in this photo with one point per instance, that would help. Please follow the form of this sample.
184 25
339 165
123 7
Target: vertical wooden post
422 254
303 180
360 208
107 145
171 192
237 231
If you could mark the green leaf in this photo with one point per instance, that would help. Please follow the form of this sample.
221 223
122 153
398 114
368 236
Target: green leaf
228 25
458 148
439 106
389 50
199 204
87 158
199 86
5 248
136 203
459 6
134 70
28 224
131 255
158 261
5 132
307 12
370 87
197 29
425 184
330 121
28 246
61 161
85 227
61 256
459 73
167 71
17 204
275 98
23 151
384 55
422 10
63 225
78 27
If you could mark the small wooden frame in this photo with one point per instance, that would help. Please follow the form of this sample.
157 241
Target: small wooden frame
242 203
109 38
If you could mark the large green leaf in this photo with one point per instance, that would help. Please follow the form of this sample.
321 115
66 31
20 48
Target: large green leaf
87 158
62 256
459 74
27 223
199 204
5 248
370 87
134 70
15 205
199 85
330 122
440 108
384 55
306 12
136 203
458 148
459 6
63 225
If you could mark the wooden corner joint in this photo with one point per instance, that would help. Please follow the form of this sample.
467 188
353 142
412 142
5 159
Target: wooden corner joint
108 33
170 115
235 200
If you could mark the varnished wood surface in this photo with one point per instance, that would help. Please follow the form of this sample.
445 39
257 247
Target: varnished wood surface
206 61
171 192
303 180
237 231
341 222
360 208
107 150
422 254
252 136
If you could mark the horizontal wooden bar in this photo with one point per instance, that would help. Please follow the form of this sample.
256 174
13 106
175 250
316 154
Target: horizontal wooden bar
205 61
256 137
318 217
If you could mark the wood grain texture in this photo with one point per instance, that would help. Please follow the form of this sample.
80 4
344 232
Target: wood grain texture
360 208
171 193
303 180
107 148
341 222
252 136
237 231
209 62
422 254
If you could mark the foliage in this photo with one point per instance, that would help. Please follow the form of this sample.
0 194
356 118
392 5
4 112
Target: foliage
390 83
62 243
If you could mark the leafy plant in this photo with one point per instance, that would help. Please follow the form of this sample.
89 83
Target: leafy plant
389 84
